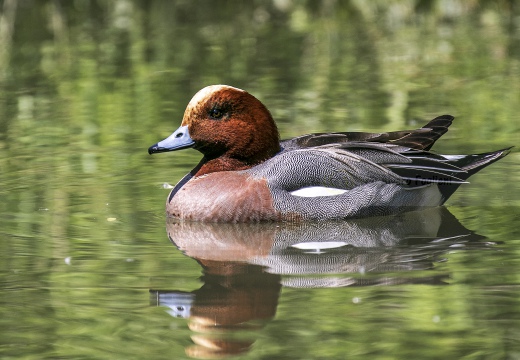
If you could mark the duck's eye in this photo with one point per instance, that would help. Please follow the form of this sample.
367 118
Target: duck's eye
216 113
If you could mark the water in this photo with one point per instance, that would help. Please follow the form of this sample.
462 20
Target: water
87 265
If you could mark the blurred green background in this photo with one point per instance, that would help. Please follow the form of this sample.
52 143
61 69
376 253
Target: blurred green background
87 86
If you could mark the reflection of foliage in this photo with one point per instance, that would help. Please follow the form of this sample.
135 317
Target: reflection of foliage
100 74
87 86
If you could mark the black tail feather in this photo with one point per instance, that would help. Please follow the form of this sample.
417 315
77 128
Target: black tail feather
471 164
475 162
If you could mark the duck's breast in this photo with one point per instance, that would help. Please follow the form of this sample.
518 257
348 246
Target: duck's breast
227 196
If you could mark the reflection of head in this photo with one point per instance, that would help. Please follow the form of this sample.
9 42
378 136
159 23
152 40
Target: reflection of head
234 294
235 301
179 302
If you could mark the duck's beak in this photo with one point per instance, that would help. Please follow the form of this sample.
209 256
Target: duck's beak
180 139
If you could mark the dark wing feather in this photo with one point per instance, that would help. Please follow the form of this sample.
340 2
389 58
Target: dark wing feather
419 139
425 140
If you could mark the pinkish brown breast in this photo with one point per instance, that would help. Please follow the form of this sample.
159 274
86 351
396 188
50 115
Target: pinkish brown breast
226 196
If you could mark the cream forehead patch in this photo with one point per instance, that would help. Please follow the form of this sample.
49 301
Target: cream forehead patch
204 94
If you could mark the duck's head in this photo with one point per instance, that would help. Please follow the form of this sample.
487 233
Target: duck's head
229 126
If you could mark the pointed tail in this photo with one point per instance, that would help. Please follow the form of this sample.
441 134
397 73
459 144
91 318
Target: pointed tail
471 164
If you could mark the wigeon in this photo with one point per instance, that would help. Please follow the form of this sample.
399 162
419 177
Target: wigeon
248 175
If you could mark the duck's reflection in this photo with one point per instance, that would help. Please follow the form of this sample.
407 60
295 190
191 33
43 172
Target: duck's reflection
235 301
245 266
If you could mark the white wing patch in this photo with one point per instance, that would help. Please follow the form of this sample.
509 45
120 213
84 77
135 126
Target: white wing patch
317 247
315 191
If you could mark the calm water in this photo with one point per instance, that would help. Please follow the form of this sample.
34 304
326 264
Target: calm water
91 270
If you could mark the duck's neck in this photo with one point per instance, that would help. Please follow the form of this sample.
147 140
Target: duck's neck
240 157
219 164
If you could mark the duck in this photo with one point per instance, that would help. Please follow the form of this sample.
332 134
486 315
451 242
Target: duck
247 174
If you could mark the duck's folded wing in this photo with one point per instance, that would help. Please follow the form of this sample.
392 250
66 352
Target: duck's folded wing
346 166
418 139
362 188
354 180
331 167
